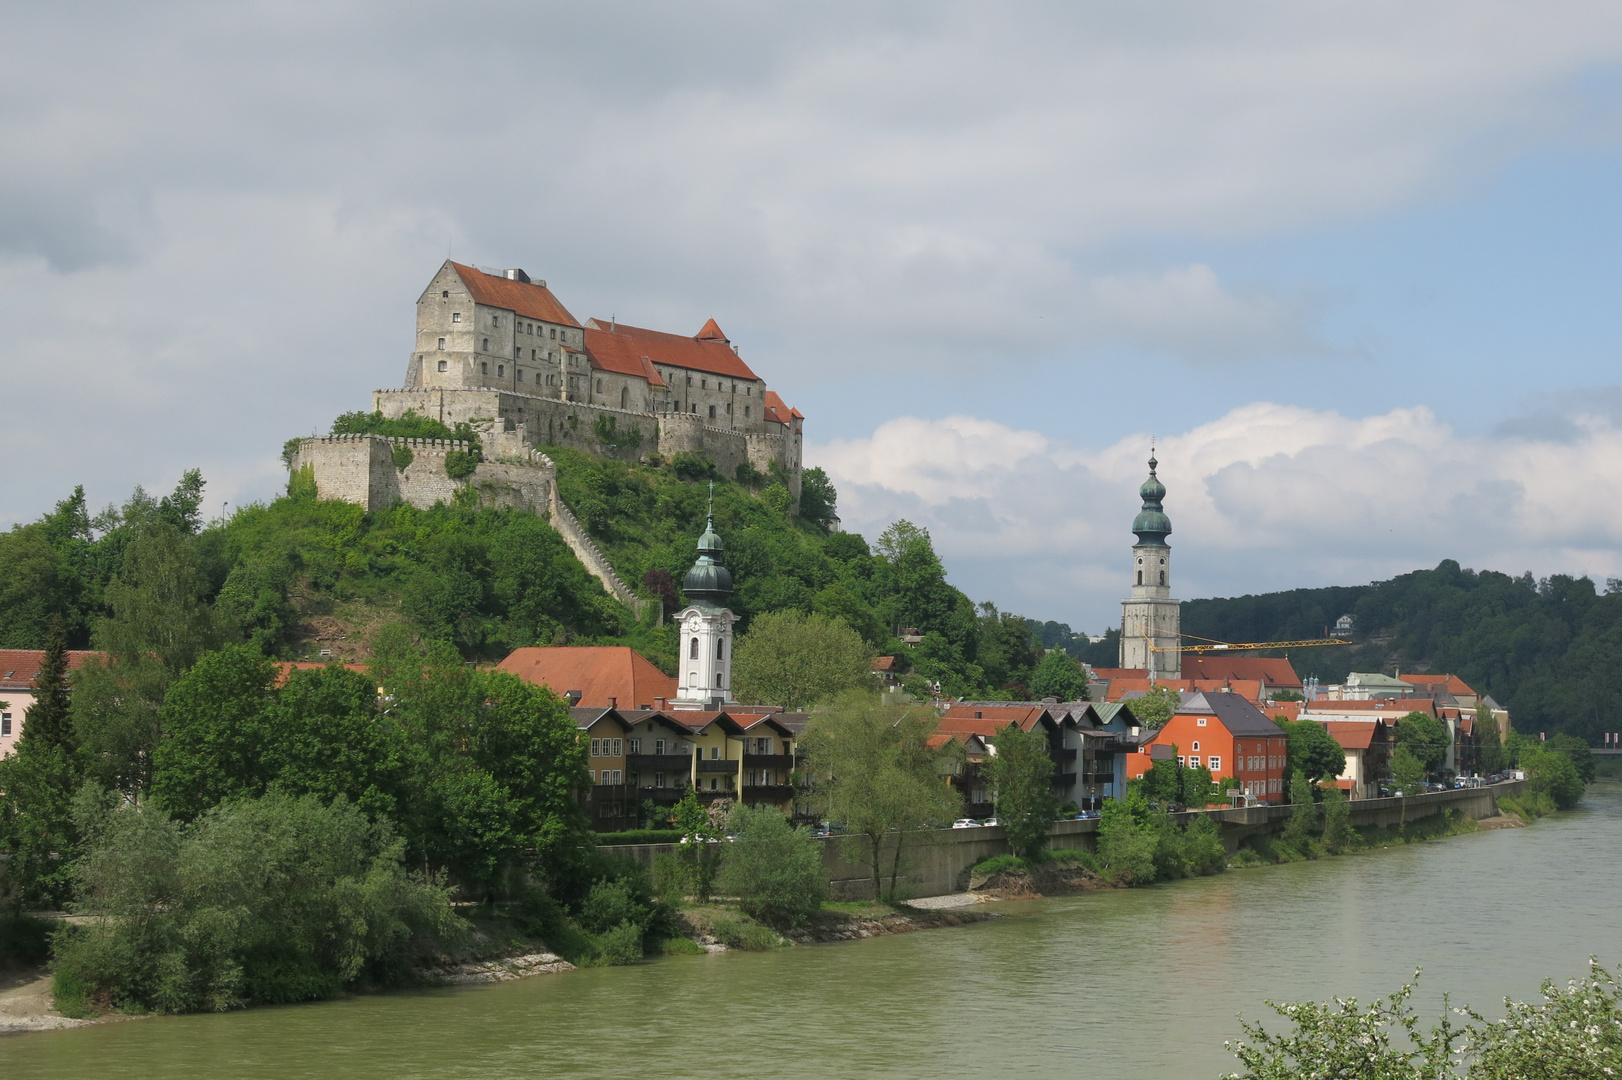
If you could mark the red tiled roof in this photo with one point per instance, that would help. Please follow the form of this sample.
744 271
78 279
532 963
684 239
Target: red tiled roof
776 410
884 663
621 348
606 675
1451 683
992 718
18 667
1274 671
711 332
531 300
1290 710
1351 734
1109 673
1250 691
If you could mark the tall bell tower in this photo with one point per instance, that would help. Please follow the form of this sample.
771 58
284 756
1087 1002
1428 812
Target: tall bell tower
704 677
1151 621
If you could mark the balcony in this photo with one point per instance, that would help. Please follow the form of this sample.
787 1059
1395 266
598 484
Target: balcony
1098 778
783 762
658 762
719 765
767 792
1061 754
1064 779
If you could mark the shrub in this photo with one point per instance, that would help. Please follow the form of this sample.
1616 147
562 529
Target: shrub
745 934
1000 864
273 899
460 464
543 917
608 906
1339 836
1126 848
403 457
1553 773
24 940
1203 853
638 836
774 869
621 945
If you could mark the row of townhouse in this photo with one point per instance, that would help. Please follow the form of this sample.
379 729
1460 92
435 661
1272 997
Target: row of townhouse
640 756
1088 742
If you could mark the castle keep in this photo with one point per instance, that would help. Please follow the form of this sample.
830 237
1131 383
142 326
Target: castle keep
499 352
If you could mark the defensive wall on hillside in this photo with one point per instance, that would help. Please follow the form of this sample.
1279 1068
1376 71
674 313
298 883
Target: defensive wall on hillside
539 421
362 469
941 864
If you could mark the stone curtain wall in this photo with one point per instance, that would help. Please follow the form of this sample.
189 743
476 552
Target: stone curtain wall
550 422
585 549
942 864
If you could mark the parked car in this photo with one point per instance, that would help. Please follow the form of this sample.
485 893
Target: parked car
965 823
991 821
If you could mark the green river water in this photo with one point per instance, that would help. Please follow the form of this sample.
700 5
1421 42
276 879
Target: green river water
1144 983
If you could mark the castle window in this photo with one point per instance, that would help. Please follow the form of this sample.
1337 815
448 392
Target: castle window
554 333
689 380
749 391
442 344
599 386
456 316
746 412
517 352
729 408
712 412
495 320
443 365
703 384
484 369
625 397
501 369
445 293
486 344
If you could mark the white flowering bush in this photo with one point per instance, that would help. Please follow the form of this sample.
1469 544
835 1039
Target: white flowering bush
1575 1033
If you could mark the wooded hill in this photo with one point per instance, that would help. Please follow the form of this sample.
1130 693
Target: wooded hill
1549 650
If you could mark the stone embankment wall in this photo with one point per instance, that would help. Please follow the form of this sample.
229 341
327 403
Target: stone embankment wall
940 865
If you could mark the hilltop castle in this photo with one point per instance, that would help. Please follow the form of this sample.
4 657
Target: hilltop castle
499 352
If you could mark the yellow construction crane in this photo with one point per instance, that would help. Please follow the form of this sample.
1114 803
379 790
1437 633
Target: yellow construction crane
1229 646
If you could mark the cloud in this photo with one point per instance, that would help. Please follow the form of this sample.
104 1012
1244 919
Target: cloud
1265 497
1186 312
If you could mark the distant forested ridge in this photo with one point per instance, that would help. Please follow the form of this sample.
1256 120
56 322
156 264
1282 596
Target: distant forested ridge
1550 650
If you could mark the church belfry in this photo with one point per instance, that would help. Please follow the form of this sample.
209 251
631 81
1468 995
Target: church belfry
704 677
1151 632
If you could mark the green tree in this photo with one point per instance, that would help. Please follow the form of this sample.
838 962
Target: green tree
871 768
1058 675
818 499
1406 769
1297 834
1551 771
1312 751
1156 705
1426 738
1125 846
700 856
1490 756
219 723
796 660
1338 836
1021 773
1578 751
272 900
774 869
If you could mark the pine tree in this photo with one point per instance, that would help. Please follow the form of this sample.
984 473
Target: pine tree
48 719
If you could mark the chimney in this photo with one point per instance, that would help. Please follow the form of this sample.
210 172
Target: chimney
574 697
613 702
515 274
659 703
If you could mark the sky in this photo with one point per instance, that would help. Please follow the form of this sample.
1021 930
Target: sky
1351 267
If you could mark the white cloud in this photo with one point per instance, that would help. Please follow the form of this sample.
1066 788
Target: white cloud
1265 497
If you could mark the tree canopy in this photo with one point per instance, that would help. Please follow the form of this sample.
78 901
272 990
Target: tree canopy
796 660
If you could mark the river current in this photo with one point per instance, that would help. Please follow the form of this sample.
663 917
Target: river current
1143 983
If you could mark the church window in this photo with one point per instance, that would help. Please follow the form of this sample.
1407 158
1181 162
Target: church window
443 365
1162 577
456 316
442 343
1140 577
720 646
719 685
692 651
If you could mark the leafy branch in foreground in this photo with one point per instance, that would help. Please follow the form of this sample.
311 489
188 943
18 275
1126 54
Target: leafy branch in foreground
1575 1033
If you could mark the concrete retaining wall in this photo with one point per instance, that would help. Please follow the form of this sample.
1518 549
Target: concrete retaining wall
940 862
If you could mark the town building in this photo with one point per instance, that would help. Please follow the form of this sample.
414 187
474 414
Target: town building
1273 674
1151 635
1367 746
1223 733
594 676
1087 742
18 670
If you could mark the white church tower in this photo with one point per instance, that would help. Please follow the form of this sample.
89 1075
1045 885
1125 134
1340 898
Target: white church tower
704 679
1151 617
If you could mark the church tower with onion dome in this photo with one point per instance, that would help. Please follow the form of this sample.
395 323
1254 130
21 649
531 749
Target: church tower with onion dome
1151 621
704 679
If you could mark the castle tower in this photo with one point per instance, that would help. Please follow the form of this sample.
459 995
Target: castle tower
704 676
1151 617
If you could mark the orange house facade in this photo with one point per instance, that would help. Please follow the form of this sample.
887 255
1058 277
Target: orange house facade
1226 734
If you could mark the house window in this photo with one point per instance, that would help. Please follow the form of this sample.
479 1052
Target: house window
634 746
1181 763
619 745
5 723
456 316
595 744
715 752
658 779
658 746
1196 744
445 294
714 783
1216 764
692 650
518 353
1200 722
441 344
593 774
443 366
1194 762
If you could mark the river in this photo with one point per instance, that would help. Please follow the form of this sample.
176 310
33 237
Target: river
1144 983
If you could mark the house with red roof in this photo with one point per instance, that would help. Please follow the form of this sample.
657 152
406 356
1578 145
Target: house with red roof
1226 734
18 670
594 676
1274 674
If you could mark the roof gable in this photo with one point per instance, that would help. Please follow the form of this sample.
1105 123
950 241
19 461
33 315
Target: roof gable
1236 714
527 298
